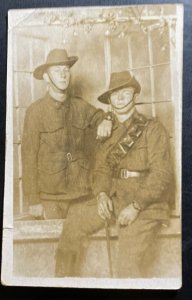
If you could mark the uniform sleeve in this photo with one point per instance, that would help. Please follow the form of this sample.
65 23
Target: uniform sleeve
160 168
94 116
29 150
102 172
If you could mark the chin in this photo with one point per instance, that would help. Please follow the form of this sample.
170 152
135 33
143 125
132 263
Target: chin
120 108
120 112
62 87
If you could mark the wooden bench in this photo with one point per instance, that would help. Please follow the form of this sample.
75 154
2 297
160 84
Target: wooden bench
35 243
51 229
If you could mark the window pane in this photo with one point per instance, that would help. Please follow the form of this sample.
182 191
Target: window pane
16 160
17 186
143 77
160 45
144 109
15 127
88 74
39 89
21 120
139 49
162 83
166 115
119 54
22 59
16 196
38 52
24 89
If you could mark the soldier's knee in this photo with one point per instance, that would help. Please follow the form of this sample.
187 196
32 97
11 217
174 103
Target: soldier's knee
71 231
51 211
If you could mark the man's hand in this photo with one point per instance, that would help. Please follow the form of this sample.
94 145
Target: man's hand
128 215
104 206
36 210
104 129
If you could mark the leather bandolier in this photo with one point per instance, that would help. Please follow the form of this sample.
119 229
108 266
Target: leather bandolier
127 140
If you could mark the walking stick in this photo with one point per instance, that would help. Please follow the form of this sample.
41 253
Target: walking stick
107 232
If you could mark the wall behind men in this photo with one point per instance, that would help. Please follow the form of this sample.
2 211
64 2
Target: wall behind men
90 74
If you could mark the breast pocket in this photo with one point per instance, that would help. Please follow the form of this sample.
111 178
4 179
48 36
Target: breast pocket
52 163
136 159
78 129
79 123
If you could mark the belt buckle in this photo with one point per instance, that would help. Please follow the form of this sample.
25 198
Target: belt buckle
124 174
69 156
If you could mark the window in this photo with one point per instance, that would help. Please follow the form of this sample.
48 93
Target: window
153 66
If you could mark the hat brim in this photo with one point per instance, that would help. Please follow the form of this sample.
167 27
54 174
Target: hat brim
40 70
104 98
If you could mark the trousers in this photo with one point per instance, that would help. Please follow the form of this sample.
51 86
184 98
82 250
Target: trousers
82 219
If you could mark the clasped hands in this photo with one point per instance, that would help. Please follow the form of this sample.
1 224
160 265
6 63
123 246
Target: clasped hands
105 209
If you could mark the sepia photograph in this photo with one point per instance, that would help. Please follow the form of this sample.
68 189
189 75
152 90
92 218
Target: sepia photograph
93 147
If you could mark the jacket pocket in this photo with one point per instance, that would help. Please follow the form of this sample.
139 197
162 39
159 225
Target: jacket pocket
83 181
52 163
79 123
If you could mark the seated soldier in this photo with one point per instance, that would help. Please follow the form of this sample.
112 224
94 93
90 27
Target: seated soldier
131 181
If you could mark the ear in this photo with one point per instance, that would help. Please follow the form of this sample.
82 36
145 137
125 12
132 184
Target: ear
135 96
46 77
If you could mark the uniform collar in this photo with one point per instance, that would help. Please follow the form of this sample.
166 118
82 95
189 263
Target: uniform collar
127 122
57 104
133 116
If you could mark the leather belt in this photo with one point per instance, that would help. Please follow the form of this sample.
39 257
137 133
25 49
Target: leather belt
125 174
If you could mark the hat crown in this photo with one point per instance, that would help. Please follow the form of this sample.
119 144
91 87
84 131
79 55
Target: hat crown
118 81
120 78
57 55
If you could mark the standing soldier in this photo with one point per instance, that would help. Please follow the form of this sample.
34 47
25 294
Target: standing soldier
131 180
54 155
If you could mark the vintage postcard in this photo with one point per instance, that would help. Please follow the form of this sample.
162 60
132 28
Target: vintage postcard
93 147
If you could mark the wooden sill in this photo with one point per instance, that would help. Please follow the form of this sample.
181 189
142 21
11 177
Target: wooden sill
51 229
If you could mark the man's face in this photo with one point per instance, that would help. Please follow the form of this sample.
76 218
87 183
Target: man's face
122 97
60 76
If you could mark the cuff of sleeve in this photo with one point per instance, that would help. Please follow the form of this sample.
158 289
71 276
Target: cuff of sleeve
109 116
140 201
98 117
136 205
99 189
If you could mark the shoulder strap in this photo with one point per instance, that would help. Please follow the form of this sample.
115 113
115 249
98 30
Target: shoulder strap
129 137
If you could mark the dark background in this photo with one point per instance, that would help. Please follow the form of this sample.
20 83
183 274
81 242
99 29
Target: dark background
56 293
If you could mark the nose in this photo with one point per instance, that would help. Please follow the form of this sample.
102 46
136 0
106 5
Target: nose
63 74
120 96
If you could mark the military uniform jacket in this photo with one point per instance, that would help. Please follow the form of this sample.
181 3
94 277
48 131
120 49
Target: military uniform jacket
54 159
150 157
